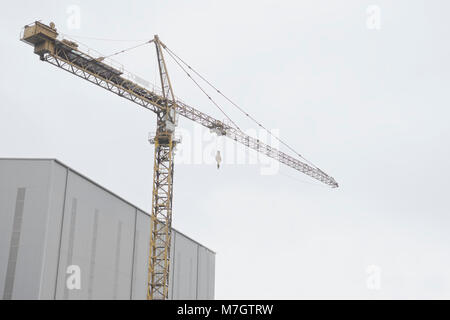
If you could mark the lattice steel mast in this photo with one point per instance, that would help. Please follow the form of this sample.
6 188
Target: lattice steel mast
161 218
66 55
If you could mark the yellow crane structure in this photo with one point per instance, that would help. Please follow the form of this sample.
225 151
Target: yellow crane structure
65 54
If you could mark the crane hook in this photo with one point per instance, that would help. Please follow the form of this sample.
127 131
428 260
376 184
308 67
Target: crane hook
218 159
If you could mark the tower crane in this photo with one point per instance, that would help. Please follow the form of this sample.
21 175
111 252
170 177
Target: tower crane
66 55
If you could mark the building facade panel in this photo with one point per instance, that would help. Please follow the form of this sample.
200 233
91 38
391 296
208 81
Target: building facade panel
24 189
49 272
98 237
184 264
141 253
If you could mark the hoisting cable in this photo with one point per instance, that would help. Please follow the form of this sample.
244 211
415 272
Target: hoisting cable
102 39
240 109
128 49
200 87
115 53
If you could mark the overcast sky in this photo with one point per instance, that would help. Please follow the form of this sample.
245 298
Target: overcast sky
360 88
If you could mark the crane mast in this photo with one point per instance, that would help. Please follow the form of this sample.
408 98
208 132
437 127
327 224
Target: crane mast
161 218
65 54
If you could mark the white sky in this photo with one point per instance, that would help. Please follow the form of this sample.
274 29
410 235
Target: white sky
370 107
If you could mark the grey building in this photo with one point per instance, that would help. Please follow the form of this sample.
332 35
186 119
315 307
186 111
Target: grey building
56 224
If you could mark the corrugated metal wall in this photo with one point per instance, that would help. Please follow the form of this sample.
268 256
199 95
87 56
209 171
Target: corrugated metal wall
52 217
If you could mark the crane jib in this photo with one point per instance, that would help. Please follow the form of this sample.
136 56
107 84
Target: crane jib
67 57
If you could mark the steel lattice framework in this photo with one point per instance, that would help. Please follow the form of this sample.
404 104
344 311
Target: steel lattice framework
161 218
65 55
98 73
